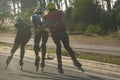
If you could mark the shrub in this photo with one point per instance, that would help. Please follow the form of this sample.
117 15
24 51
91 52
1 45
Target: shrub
92 29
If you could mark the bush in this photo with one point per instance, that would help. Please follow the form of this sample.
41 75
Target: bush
3 28
92 29
7 28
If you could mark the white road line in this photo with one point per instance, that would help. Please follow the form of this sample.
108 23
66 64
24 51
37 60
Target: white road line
89 73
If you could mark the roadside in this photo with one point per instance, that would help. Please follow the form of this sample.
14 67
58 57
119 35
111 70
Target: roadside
78 43
88 65
81 40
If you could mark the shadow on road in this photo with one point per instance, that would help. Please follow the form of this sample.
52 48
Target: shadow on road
53 76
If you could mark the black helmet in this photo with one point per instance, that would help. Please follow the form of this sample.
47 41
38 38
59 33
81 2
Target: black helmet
18 19
38 11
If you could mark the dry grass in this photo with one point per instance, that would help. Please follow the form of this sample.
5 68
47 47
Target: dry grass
96 40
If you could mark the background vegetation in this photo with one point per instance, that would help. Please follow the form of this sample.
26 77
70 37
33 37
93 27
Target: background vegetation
100 17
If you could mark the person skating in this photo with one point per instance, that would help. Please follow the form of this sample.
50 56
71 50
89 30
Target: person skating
41 34
22 37
54 20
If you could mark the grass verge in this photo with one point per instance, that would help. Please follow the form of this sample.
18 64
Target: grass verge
82 55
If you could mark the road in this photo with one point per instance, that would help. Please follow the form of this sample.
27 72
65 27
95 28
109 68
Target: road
112 50
13 71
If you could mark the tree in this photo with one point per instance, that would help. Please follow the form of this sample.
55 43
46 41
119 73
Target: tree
5 9
57 2
108 5
68 19
66 4
25 4
110 18
27 14
117 12
117 4
84 13
42 3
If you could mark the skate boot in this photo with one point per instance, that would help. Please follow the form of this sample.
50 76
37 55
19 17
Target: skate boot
21 65
60 70
8 61
78 65
42 66
37 60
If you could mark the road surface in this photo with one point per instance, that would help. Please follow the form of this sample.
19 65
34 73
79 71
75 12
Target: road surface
112 50
13 72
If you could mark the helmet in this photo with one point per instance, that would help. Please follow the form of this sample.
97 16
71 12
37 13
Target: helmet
38 11
51 6
18 19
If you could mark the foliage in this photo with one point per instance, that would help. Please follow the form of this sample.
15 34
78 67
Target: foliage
117 4
99 57
26 15
27 4
92 29
88 12
5 28
68 19
109 22
81 15
84 13
5 10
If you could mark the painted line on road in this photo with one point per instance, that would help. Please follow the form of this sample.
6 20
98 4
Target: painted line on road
88 73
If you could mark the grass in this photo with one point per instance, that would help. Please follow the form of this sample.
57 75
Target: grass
99 40
82 55
99 57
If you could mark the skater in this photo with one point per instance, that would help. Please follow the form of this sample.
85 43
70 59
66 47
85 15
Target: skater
41 34
22 37
54 20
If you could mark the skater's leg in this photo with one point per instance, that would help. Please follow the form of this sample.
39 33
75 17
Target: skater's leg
45 35
58 52
22 52
59 56
15 47
22 47
37 49
65 41
37 60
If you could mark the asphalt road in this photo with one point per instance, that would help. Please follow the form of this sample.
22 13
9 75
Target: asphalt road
13 71
112 50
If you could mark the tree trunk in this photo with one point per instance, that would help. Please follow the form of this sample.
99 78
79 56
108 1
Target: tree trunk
66 4
57 2
14 9
108 5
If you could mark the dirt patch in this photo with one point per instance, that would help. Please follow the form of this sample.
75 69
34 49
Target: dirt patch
7 35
